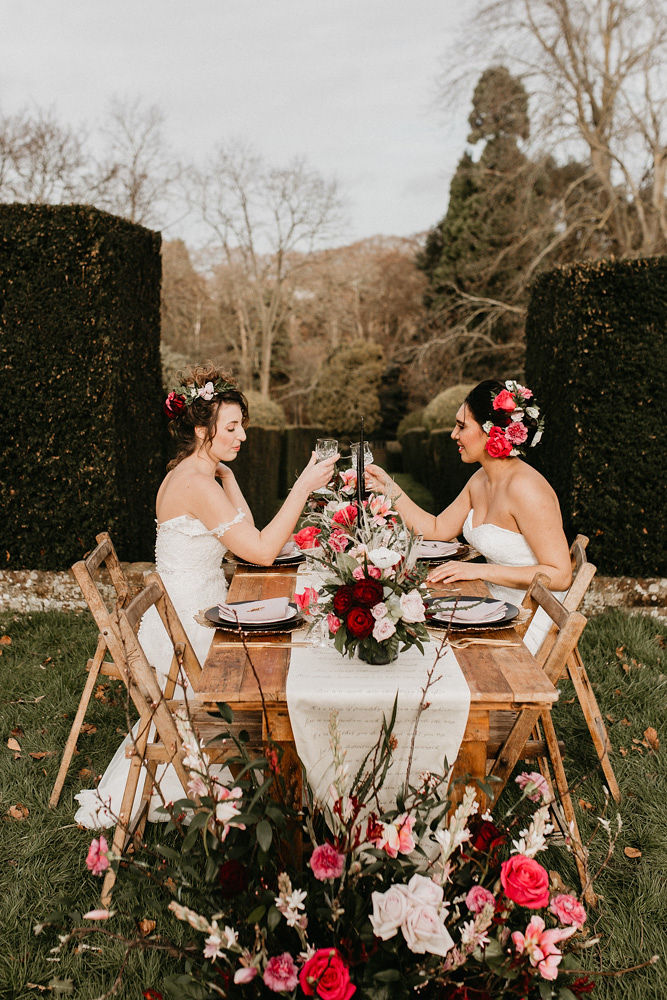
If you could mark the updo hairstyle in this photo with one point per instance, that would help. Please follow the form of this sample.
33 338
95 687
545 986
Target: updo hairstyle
200 412
480 404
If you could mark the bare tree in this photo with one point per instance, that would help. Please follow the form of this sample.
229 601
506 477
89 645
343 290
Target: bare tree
267 221
41 160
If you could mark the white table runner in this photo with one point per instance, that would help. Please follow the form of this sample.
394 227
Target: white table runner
321 680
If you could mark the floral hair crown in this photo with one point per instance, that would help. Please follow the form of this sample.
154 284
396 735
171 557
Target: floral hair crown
507 439
179 399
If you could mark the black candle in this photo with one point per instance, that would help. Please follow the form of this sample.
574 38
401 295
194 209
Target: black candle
360 473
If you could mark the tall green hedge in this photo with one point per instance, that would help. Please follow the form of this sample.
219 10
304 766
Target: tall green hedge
258 472
83 435
595 353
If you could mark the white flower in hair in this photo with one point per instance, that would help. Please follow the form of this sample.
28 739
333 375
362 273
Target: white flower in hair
517 415
533 411
487 427
536 439
207 391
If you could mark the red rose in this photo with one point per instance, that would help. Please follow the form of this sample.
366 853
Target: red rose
525 881
342 601
504 401
174 405
346 516
498 446
326 975
367 592
232 878
360 623
487 838
307 538
151 994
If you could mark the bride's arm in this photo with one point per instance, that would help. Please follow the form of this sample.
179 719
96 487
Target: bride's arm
233 491
214 508
444 526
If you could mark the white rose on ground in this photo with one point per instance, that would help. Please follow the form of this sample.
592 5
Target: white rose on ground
390 909
412 607
424 931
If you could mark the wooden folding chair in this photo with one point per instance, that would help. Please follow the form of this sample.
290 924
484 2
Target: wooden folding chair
85 572
582 574
523 739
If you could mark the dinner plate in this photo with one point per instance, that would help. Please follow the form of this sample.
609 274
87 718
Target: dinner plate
509 614
294 560
296 620
291 611
435 557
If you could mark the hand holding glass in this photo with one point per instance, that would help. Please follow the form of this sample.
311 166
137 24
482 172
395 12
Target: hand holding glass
326 448
368 454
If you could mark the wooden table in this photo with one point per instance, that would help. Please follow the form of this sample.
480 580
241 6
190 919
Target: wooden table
501 679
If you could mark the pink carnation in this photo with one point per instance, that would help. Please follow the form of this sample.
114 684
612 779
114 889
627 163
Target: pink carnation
478 897
537 785
525 392
307 538
338 540
281 974
98 856
516 433
326 862
334 623
568 909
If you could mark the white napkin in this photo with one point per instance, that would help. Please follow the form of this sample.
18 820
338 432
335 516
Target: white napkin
270 610
436 548
472 614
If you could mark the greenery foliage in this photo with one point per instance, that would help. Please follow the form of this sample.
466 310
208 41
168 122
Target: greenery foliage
409 422
348 388
172 364
264 412
596 360
440 413
81 408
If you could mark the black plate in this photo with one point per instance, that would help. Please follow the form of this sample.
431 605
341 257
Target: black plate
288 625
509 616
460 553
288 561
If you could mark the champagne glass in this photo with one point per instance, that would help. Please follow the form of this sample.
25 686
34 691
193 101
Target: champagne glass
368 454
326 448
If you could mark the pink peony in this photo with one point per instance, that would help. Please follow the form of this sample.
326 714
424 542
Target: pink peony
535 786
305 599
516 433
326 862
525 881
504 401
307 538
98 856
540 946
334 623
568 909
478 897
281 974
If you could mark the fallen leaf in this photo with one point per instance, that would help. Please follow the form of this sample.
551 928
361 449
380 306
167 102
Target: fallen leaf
619 651
632 852
19 811
610 718
586 805
652 737
85 772
623 752
625 722
17 731
5 640
13 744
49 659
626 668
36 986
146 927
40 754
88 727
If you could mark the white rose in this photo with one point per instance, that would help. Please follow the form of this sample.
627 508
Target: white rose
486 427
390 909
424 931
424 891
383 557
383 628
412 607
517 415
379 610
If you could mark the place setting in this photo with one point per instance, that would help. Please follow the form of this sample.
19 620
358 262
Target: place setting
467 617
432 550
262 617
289 555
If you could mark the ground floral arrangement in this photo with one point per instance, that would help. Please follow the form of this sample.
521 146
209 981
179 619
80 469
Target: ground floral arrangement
372 598
343 901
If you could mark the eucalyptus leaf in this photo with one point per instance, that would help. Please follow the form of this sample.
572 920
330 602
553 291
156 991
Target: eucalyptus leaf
264 834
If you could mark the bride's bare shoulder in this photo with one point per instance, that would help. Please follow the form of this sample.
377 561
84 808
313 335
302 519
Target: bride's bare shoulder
529 484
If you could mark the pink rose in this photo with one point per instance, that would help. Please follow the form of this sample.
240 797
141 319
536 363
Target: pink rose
326 862
498 446
338 540
540 946
98 856
326 975
504 401
334 623
568 909
281 974
535 785
525 881
396 837
478 897
307 538
305 599
516 433
412 607
383 629
245 974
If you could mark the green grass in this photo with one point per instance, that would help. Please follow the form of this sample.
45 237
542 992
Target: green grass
43 855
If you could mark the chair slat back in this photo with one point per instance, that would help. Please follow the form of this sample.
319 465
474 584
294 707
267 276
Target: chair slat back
105 554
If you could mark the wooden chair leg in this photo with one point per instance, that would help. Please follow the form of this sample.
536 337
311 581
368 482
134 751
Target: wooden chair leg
70 745
565 802
512 749
594 720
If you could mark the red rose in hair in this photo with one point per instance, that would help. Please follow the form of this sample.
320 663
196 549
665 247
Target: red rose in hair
360 622
367 592
504 401
342 601
326 975
174 404
498 446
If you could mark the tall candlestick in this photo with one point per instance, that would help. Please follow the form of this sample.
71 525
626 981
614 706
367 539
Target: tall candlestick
360 474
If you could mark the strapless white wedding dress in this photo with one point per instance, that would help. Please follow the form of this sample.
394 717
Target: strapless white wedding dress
509 548
188 558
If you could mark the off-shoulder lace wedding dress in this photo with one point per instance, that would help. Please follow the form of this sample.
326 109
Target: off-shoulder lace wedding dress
188 558
509 548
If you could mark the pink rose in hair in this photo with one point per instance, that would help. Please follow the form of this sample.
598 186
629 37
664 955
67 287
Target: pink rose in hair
516 433
98 856
478 897
326 862
281 974
568 909
504 401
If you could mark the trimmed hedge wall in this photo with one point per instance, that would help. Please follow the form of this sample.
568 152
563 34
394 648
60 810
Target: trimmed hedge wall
297 445
595 355
448 473
84 438
258 472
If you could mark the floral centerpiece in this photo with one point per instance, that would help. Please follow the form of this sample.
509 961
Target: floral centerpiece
372 597
416 901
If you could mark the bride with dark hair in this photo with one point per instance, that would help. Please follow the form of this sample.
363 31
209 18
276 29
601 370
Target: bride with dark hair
507 510
198 519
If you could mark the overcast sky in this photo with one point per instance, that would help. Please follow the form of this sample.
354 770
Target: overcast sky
349 84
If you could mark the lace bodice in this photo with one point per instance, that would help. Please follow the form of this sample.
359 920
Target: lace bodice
508 548
185 545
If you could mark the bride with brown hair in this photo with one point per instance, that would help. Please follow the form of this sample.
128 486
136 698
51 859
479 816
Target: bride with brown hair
507 510
201 513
